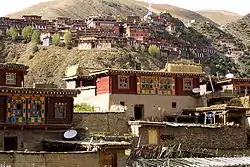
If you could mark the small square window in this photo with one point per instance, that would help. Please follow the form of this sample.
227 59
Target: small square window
11 78
174 105
123 82
122 103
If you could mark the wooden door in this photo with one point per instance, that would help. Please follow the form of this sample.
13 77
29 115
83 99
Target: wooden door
109 160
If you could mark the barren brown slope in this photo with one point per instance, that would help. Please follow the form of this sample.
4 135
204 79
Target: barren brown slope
221 17
181 13
83 8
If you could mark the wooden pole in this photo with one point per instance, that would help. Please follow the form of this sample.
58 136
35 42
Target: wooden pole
224 118
205 120
214 117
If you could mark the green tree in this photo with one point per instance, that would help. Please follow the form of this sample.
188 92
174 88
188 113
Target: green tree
12 32
67 39
35 38
56 39
27 33
153 50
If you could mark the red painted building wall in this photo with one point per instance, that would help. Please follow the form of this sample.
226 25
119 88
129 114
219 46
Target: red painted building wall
3 103
109 84
103 85
132 86
51 110
179 86
19 78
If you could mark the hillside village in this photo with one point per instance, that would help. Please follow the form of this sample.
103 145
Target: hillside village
174 112
117 30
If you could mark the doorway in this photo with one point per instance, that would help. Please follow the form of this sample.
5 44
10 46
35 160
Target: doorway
10 143
139 111
109 159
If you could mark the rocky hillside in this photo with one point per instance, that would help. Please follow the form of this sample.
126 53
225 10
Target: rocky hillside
49 64
241 28
82 8
215 34
219 16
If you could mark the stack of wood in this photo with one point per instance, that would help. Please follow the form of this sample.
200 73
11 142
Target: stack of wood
183 67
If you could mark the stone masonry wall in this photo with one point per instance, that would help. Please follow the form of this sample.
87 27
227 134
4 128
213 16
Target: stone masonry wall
30 138
193 137
21 159
105 122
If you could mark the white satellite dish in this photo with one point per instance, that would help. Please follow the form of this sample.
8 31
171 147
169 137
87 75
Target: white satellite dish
196 90
69 134
229 75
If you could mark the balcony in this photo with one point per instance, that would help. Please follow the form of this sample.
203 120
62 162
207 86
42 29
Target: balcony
225 94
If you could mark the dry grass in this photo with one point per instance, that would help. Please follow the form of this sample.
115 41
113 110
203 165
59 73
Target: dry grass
83 8
48 65
220 17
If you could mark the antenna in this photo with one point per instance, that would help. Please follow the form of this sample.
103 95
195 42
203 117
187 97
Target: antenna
70 134
196 90
229 75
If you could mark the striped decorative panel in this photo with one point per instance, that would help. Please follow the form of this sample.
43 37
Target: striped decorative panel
36 110
16 109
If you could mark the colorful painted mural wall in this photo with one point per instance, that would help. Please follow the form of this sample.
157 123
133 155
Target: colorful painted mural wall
156 85
26 109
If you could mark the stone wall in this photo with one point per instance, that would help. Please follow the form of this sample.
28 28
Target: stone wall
21 159
194 137
30 138
111 123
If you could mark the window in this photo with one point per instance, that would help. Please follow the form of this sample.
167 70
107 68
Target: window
166 85
187 84
147 83
11 78
174 105
123 82
60 110
122 103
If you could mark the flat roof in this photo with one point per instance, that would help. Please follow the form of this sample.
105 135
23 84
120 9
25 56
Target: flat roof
230 81
96 144
39 91
172 124
145 72
216 108
13 66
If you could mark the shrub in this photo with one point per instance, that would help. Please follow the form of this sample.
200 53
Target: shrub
83 107
35 38
56 39
153 50
27 33
67 39
35 49
12 32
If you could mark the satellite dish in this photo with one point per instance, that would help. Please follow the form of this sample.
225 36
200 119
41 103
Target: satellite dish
69 134
196 90
229 75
